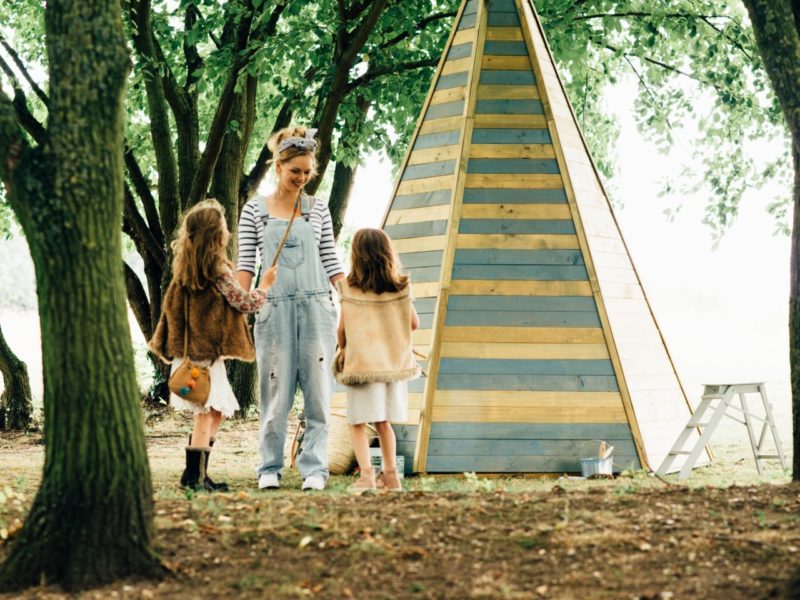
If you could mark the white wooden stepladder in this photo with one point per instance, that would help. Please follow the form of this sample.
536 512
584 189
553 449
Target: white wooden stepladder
725 394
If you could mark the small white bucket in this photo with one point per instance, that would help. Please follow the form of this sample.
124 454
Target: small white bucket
596 466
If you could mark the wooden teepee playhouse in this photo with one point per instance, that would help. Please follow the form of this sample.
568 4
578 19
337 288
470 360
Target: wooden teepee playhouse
539 337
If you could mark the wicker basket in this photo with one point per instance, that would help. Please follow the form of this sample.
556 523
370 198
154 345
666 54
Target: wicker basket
341 456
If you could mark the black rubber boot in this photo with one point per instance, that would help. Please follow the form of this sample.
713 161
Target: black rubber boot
210 483
195 471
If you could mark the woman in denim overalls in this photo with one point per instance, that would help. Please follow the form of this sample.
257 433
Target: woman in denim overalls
295 330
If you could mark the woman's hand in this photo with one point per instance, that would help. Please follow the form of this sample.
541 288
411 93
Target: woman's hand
268 278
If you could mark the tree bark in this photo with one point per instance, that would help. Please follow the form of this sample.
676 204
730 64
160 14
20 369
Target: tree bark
776 24
16 406
343 176
92 519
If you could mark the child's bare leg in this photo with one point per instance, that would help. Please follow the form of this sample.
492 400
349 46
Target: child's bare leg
391 480
201 434
358 434
216 419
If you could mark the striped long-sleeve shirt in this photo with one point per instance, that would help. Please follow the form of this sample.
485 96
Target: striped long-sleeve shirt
251 236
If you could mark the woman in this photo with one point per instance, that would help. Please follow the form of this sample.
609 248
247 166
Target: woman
295 329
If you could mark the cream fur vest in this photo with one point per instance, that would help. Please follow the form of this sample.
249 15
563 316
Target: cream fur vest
378 336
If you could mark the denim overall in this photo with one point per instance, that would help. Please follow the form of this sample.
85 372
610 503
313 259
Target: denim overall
295 339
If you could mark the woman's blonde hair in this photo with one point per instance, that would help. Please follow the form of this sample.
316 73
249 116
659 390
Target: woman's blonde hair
293 131
199 249
374 264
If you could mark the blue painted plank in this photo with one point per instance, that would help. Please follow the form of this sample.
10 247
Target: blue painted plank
422 199
543 383
555 227
573 448
405 433
513 166
448 109
521 272
425 320
470 256
432 258
409 230
503 19
502 6
417 385
425 305
518 318
424 274
433 169
433 140
508 136
459 51
522 303
610 432
467 22
514 464
500 48
509 107
453 80
503 77
471 7
512 196
502 366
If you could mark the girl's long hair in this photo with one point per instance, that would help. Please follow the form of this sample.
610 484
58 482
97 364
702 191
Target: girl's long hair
374 265
199 250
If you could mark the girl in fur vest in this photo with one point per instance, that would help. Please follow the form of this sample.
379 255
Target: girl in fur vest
376 359
202 275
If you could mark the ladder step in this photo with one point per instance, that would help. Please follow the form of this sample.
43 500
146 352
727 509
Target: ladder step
691 425
768 456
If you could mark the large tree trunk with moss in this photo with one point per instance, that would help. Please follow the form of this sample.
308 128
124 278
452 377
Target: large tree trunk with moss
16 406
92 519
776 24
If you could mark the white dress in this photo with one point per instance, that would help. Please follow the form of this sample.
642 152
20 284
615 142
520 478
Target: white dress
378 401
220 395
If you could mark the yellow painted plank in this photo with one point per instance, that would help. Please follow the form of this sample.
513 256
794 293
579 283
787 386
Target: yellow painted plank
421 336
415 186
464 36
537 181
416 215
525 351
508 92
339 401
420 157
504 34
518 241
535 335
440 125
508 398
508 63
425 290
520 288
510 121
420 244
457 66
516 211
512 151
451 95
517 414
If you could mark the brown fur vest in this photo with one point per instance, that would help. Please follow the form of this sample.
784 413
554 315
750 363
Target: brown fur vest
216 329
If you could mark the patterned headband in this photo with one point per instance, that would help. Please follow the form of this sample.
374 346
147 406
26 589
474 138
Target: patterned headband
302 143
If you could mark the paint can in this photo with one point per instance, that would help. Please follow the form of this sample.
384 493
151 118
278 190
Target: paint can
600 465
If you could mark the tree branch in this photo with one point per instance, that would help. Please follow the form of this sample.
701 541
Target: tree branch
142 187
137 298
637 14
373 74
251 181
421 25
21 66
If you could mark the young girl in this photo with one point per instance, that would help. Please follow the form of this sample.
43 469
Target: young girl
374 336
202 275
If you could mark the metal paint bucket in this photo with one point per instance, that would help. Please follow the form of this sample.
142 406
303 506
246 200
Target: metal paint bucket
596 466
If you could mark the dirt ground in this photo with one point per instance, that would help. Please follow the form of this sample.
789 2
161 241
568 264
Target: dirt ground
453 537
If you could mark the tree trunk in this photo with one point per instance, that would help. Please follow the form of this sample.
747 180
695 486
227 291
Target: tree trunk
16 406
92 519
776 25
340 193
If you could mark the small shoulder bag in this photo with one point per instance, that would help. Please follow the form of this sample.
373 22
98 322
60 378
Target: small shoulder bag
190 381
